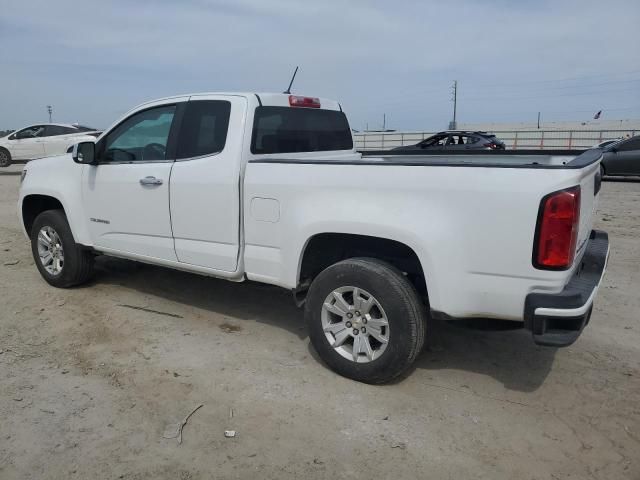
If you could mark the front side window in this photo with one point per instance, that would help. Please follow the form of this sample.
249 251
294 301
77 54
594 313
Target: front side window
204 128
457 140
30 132
290 130
437 141
142 137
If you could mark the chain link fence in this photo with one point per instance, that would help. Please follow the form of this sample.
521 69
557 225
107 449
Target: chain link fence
513 139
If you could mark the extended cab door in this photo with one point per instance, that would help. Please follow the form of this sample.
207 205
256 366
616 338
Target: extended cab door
205 182
126 195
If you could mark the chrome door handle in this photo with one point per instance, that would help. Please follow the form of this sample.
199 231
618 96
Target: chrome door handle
150 181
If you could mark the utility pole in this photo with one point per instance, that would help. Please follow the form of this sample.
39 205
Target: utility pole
538 120
50 110
454 91
384 122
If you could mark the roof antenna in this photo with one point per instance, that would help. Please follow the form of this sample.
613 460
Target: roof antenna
288 90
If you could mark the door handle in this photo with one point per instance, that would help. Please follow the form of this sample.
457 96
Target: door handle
150 181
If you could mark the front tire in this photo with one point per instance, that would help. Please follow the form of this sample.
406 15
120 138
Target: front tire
60 260
5 158
365 319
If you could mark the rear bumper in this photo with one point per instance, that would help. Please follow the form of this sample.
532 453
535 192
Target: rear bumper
558 319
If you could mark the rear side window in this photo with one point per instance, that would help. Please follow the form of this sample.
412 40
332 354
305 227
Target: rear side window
54 130
290 130
204 128
632 144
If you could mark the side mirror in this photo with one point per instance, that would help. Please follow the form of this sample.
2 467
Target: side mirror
12 136
84 153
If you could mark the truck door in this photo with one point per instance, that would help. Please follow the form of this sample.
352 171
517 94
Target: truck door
126 195
205 188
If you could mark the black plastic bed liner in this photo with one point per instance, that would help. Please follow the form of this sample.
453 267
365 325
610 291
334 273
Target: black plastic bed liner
493 159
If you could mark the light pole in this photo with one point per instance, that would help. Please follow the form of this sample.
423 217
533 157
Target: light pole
50 111
454 92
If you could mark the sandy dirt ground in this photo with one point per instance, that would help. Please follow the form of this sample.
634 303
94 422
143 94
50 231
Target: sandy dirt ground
91 377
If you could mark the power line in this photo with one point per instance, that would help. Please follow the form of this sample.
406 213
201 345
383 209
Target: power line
568 79
404 93
557 95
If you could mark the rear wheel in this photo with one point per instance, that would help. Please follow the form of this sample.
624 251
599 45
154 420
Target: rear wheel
5 158
366 320
60 260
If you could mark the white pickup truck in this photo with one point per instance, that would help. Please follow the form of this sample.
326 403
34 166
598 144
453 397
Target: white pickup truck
268 188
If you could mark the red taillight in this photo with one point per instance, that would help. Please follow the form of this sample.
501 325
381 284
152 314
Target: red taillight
557 230
308 102
492 146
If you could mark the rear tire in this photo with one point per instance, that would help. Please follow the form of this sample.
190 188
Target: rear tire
5 158
60 260
366 306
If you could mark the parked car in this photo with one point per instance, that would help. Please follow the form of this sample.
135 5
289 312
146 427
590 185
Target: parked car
268 188
457 140
37 141
622 158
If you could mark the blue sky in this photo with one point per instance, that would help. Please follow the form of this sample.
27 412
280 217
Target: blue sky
94 60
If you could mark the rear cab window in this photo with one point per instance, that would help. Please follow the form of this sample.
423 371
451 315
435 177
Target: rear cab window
293 130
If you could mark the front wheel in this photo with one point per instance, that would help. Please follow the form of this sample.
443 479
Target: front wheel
60 260
366 320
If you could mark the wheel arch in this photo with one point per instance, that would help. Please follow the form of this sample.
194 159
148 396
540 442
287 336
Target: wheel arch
322 250
33 205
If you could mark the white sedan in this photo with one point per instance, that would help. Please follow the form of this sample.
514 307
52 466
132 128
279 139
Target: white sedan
42 140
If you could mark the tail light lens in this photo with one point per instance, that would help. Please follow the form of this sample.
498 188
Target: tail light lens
557 230
308 102
492 146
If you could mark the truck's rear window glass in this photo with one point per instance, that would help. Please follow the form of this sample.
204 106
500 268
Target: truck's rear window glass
290 130
204 128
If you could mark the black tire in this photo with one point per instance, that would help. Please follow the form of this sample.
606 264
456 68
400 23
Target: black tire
5 158
77 267
405 313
